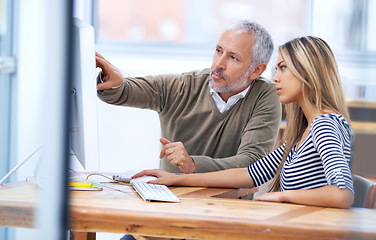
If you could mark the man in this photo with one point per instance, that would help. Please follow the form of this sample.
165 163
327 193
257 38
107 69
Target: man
224 117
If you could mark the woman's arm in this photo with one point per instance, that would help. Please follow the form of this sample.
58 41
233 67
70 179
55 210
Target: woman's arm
327 196
231 178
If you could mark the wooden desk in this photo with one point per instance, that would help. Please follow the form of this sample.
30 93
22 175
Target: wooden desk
201 215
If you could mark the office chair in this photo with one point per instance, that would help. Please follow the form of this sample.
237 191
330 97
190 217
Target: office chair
365 192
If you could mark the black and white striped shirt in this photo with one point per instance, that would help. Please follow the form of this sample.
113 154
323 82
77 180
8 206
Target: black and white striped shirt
322 159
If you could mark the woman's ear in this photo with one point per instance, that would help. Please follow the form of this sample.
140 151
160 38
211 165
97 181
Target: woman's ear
257 71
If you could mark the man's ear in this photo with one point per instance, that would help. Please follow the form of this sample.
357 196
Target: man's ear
257 71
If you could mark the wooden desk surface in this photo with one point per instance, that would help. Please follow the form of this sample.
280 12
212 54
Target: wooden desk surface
199 215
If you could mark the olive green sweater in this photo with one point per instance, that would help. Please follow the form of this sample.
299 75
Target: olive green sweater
188 113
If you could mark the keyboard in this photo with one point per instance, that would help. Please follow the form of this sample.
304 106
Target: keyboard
154 192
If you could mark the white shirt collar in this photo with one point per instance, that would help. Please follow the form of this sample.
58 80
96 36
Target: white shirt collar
224 106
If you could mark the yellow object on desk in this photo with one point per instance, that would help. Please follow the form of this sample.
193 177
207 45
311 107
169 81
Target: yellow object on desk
80 184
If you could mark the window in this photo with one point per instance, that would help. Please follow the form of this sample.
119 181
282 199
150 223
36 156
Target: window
193 23
348 26
192 27
345 24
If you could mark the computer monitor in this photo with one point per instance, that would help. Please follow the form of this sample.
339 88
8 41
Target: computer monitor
83 104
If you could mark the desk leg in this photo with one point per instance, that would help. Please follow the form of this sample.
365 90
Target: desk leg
82 235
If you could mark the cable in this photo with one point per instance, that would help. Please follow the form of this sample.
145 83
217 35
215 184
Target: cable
97 174
131 191
19 165
102 175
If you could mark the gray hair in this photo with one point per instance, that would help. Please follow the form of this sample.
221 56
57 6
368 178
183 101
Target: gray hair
263 47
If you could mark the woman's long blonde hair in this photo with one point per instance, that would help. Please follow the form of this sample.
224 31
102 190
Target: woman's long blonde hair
312 61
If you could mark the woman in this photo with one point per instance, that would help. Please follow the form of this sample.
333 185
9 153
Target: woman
312 166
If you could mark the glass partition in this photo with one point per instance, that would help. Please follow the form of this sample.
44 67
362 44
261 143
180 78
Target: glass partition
33 112
6 76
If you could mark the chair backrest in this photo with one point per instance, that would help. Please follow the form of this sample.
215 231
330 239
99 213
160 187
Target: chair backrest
365 192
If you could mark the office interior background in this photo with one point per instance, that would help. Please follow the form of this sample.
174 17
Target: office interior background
144 37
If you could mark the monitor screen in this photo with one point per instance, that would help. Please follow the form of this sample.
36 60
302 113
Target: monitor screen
83 108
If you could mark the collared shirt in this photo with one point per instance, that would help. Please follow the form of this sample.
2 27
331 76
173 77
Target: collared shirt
224 106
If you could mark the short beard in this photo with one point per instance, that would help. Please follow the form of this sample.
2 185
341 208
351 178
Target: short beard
237 84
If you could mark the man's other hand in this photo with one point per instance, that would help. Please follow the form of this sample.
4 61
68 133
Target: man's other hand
177 155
